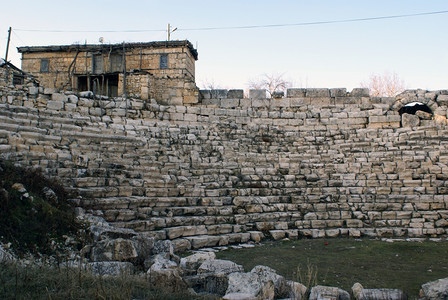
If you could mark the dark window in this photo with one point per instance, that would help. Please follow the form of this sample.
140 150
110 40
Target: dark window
412 108
17 79
44 65
106 85
116 62
164 61
98 64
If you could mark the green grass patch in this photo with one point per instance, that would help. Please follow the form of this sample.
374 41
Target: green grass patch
342 262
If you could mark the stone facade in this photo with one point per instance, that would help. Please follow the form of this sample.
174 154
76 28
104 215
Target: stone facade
156 70
316 163
16 86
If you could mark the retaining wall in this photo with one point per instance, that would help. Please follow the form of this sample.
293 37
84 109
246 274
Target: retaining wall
318 162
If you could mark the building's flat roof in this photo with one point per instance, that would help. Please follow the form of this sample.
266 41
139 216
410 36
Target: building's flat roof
98 47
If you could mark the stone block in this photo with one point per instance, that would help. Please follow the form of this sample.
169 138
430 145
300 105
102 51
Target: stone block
49 91
181 245
360 92
190 117
71 107
219 266
257 94
218 94
59 97
292 234
318 224
277 234
354 223
198 242
408 120
317 93
55 105
256 236
235 94
277 94
230 103
338 92
190 99
317 233
114 250
295 93
281 103
205 94
326 292
208 283
332 233
437 289
361 293
33 90
211 102
248 286
442 100
354 233
415 232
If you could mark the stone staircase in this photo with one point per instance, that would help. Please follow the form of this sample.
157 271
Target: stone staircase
207 175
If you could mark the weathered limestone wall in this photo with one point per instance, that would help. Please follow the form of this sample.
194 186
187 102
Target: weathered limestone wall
16 94
316 163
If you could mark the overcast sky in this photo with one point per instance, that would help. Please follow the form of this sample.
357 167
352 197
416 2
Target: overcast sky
341 54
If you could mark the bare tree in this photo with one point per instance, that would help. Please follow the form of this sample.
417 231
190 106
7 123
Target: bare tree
272 83
384 85
210 84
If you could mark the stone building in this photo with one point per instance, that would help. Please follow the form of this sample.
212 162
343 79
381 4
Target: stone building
164 71
16 86
13 75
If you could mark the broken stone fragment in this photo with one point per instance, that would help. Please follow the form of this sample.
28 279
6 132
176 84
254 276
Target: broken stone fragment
297 290
423 115
219 266
19 187
327 292
193 262
408 120
114 250
166 275
210 283
50 195
361 293
267 274
104 231
249 286
435 290
163 247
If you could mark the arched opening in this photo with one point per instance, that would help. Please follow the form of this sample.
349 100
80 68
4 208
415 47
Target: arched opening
413 107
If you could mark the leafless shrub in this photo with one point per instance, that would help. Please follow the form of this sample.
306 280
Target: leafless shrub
384 85
272 83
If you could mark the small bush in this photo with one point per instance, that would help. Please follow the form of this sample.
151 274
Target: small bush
37 219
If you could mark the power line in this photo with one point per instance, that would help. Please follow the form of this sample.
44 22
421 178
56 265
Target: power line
90 31
15 34
318 22
247 26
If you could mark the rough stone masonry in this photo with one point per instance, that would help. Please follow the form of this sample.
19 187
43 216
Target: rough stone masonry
228 169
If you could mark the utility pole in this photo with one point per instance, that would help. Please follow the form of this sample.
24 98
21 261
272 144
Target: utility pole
7 45
170 31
